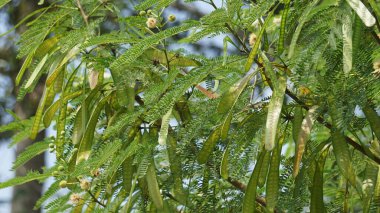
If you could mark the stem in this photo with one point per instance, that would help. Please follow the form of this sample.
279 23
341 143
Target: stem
85 17
95 199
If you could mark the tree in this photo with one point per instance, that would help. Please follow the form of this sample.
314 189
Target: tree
26 195
287 122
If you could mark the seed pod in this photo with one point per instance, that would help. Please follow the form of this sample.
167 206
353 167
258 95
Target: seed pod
61 168
142 13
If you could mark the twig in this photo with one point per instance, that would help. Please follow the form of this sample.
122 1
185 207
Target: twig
85 17
95 199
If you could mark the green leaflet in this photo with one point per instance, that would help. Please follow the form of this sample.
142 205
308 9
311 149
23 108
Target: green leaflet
249 201
363 13
49 113
3 3
30 152
274 112
255 48
154 190
32 175
175 168
224 164
134 52
375 7
304 17
347 44
316 202
225 45
273 181
174 58
40 110
282 27
87 140
373 119
208 146
340 147
163 134
303 136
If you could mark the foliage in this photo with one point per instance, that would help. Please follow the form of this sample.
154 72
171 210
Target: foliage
286 122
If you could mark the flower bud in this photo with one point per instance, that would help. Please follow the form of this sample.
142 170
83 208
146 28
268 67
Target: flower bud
172 18
51 145
151 22
61 168
142 13
51 150
149 12
63 184
55 173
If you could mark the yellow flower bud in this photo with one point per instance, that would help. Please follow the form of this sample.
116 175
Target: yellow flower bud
172 18
63 184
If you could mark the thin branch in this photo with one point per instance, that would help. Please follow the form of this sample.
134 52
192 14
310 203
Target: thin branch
95 199
85 17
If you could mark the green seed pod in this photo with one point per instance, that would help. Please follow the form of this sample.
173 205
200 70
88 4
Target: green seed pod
172 18
149 12
61 168
142 13
51 145
63 184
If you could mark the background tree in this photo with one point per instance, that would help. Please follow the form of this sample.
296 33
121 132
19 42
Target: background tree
286 122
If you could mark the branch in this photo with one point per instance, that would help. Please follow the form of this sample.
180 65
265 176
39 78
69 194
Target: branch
95 199
242 187
85 17
355 145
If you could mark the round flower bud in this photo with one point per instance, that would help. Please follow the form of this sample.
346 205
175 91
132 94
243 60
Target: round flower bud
55 173
63 184
80 177
172 18
75 198
252 39
142 13
61 168
51 145
151 22
149 12
84 184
